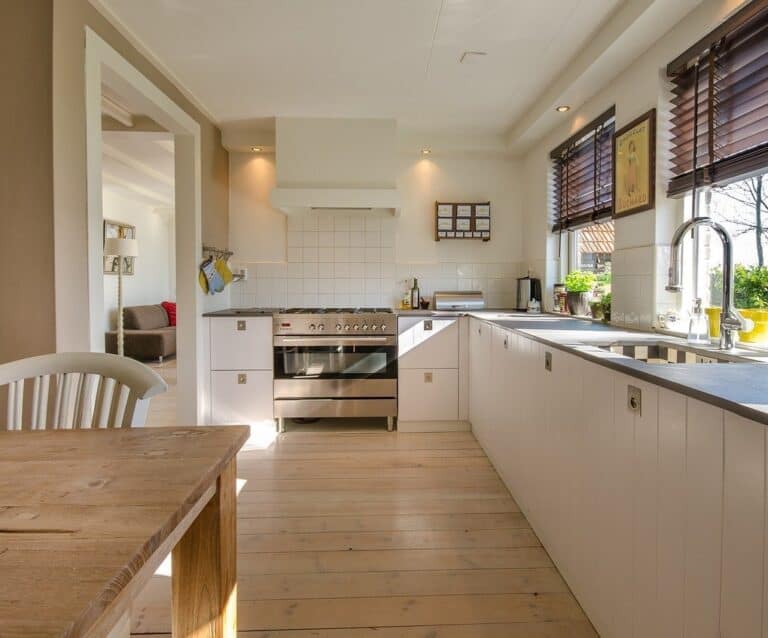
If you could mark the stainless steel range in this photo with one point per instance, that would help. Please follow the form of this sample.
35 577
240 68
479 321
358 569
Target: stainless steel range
335 362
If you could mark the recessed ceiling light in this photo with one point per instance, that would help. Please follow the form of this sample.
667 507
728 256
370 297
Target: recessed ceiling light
426 151
256 149
563 108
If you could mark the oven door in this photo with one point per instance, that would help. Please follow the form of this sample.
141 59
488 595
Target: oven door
337 367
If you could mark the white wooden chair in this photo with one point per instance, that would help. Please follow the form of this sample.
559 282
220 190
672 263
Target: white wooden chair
77 390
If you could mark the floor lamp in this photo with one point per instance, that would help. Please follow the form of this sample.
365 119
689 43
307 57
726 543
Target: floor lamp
120 248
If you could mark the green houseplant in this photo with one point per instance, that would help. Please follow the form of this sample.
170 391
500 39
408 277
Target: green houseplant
750 297
578 288
605 302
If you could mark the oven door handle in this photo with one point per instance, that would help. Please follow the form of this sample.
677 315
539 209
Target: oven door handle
331 340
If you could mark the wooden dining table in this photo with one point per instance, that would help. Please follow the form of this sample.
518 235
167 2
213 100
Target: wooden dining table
87 517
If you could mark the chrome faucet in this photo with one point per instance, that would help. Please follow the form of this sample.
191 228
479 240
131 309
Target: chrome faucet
730 320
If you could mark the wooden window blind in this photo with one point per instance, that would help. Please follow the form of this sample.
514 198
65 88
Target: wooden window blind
583 175
720 102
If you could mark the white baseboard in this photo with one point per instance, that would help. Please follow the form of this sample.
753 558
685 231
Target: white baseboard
433 426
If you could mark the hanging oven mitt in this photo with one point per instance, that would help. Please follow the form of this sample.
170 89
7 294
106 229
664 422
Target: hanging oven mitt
214 280
202 280
224 272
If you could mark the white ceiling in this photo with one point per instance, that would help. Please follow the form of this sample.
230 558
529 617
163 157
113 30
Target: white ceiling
139 166
244 59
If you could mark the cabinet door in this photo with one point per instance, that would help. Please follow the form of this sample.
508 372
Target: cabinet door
243 397
428 343
704 512
479 351
743 527
241 343
428 395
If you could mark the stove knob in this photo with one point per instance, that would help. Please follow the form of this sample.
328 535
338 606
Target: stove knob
374 327
338 327
346 327
311 326
383 327
355 327
365 326
321 327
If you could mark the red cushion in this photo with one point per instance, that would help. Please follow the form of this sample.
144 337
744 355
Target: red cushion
170 309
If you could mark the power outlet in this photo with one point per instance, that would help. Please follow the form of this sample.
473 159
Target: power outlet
242 379
427 377
241 324
548 361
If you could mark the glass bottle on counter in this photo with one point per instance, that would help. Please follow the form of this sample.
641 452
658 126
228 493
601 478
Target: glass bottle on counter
415 294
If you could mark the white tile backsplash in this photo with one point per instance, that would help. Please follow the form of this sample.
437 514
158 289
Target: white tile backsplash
338 260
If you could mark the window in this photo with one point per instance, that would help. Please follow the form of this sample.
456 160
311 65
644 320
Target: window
583 175
720 103
742 208
720 141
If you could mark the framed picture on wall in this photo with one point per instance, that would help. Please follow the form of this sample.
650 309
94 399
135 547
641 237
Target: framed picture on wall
123 231
634 166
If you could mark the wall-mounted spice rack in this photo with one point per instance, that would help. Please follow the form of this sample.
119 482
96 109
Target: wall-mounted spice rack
463 220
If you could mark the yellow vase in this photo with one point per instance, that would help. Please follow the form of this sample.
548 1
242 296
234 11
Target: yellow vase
757 335
714 321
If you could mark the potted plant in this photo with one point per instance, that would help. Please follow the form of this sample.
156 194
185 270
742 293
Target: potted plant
605 302
578 288
596 309
750 298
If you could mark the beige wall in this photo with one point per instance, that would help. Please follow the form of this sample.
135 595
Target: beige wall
70 18
27 324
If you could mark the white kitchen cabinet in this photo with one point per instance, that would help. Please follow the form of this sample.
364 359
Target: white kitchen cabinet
744 499
432 374
670 559
428 343
704 516
241 343
479 375
241 397
428 395
653 513
241 369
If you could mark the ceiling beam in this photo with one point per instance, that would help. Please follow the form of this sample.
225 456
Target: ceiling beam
137 165
143 194
627 33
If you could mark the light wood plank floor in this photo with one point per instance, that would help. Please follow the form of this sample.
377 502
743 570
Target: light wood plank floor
162 408
383 535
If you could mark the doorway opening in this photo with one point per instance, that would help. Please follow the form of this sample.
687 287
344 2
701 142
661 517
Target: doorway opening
111 158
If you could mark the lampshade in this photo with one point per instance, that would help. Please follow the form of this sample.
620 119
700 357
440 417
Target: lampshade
121 247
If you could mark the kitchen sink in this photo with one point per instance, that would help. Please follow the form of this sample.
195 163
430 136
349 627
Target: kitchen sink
665 352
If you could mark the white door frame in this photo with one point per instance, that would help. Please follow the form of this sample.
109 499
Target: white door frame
104 65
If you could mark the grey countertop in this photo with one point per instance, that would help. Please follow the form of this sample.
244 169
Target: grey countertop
243 312
738 387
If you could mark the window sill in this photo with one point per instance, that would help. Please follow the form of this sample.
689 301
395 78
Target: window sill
762 348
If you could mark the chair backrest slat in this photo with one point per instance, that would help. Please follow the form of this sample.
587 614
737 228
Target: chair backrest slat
14 409
90 390
42 408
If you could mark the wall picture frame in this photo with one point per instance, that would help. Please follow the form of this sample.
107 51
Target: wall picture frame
634 166
114 228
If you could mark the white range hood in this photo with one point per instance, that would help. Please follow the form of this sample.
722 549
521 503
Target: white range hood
336 164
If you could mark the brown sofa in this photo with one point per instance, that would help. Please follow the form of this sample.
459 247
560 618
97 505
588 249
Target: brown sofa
147 332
